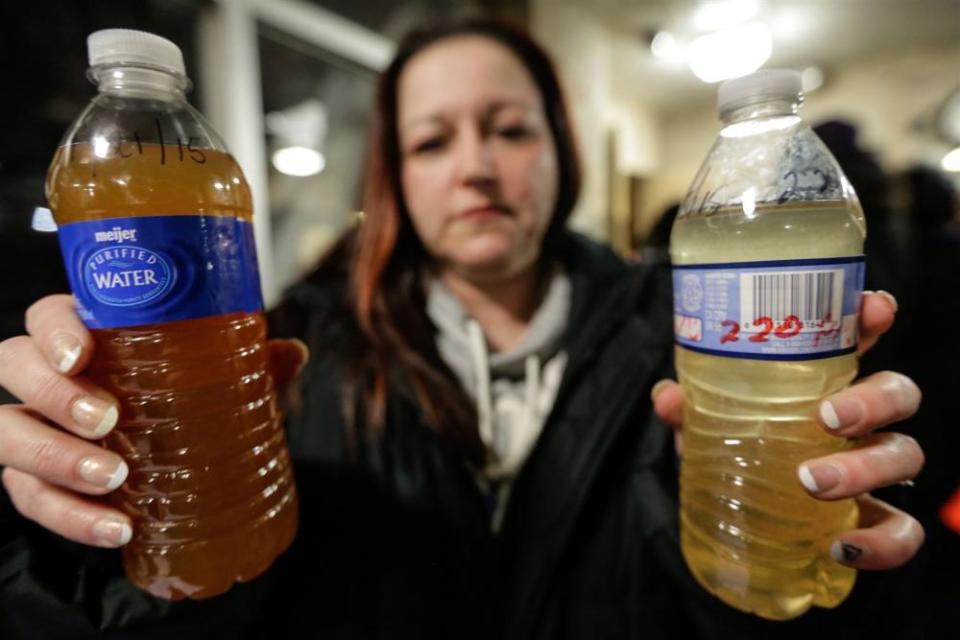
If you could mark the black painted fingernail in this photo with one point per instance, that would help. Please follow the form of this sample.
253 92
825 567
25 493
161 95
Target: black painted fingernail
845 552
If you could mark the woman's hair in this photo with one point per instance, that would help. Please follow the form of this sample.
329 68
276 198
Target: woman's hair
388 259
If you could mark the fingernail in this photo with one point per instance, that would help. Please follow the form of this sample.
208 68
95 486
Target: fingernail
889 297
657 388
819 478
304 353
103 471
95 415
840 412
66 350
112 532
902 390
845 552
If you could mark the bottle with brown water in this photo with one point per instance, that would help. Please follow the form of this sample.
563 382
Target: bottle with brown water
155 223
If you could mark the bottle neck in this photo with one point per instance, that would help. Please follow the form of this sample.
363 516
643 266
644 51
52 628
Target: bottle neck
139 82
761 109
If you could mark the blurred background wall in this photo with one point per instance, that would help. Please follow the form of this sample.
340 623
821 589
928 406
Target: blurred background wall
279 74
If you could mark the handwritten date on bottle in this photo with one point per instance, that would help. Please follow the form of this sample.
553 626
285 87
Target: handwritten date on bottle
787 329
128 146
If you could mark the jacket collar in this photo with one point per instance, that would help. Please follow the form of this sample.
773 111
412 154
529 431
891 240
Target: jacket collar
618 344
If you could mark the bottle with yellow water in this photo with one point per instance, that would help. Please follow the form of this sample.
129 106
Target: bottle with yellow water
768 272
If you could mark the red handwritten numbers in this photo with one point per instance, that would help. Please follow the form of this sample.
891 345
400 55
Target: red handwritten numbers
790 327
832 328
767 323
733 335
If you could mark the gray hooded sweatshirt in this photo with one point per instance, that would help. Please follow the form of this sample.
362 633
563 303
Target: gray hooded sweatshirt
514 391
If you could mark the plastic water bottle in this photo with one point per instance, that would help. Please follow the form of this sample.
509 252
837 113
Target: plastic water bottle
156 227
768 273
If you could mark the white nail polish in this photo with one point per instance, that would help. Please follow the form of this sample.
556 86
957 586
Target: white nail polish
829 415
118 476
113 533
70 357
108 422
806 478
836 551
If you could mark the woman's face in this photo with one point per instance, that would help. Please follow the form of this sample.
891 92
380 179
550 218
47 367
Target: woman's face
479 166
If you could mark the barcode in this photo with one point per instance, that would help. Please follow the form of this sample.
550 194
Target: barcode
814 297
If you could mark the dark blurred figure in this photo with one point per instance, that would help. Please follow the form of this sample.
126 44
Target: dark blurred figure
932 362
656 248
32 266
890 257
43 45
890 265
932 358
913 251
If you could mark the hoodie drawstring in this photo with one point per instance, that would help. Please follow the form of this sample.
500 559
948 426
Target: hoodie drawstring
505 455
481 371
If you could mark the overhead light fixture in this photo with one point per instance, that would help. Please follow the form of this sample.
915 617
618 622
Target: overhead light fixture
951 161
664 45
811 79
298 161
298 134
723 14
730 53
794 22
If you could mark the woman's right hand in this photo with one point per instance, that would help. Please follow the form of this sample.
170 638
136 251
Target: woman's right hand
49 445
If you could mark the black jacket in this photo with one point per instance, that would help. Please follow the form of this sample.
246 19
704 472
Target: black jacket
395 539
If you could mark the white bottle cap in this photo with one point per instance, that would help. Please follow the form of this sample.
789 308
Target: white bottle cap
758 86
119 46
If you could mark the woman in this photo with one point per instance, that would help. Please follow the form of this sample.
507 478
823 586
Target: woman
475 448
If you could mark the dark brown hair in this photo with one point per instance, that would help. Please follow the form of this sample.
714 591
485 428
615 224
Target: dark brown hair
385 285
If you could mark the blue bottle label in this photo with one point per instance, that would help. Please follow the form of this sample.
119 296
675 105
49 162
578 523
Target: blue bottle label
126 272
776 310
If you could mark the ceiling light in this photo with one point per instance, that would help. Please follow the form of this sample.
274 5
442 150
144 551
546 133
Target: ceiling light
298 161
723 14
811 79
303 124
794 23
951 161
664 45
730 53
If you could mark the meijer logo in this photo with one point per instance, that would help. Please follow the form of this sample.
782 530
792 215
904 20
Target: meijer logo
117 234
127 276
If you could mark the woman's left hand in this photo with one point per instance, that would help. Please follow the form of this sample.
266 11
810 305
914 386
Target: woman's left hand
888 537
